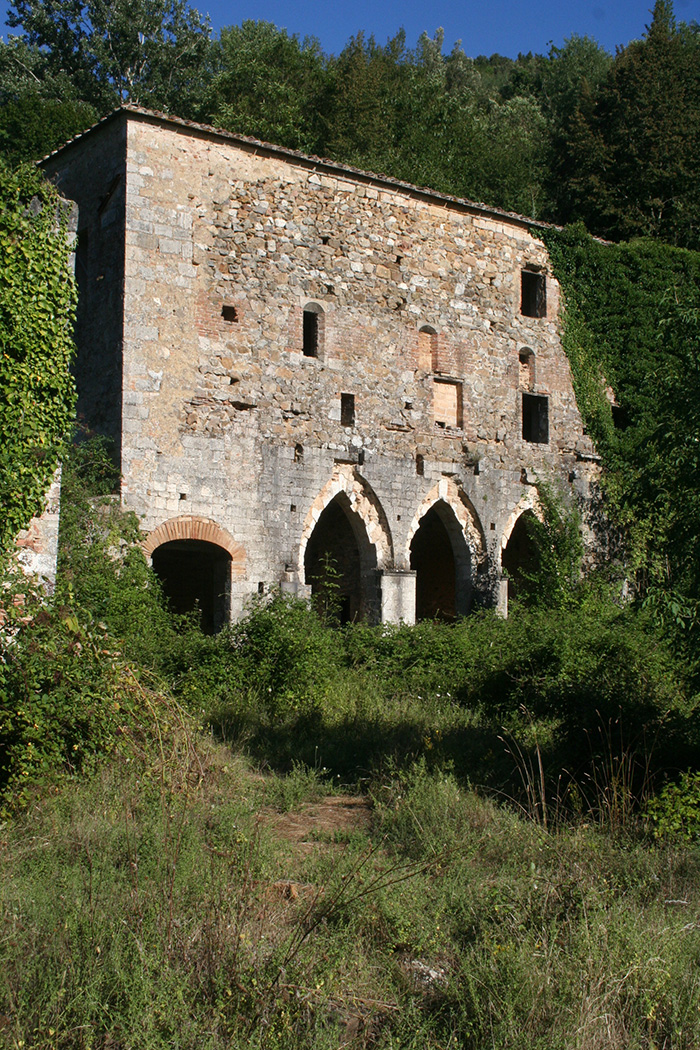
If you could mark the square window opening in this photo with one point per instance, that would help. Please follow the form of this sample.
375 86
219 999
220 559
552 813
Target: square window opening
536 418
229 313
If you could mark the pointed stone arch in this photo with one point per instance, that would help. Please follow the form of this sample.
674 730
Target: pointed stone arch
517 554
347 523
450 493
529 502
362 501
446 548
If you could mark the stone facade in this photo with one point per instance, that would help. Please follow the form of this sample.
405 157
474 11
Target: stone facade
302 363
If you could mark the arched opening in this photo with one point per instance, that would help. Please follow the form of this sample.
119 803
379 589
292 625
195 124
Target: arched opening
442 563
339 563
195 575
526 369
520 559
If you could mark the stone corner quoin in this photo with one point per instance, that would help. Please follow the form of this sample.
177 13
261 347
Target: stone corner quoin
314 375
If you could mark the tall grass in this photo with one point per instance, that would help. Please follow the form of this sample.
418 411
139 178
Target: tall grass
157 905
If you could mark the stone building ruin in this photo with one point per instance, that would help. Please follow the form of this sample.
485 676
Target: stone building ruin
308 369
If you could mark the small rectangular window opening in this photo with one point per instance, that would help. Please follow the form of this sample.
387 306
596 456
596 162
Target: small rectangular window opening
447 403
533 301
229 313
347 410
536 418
310 345
420 465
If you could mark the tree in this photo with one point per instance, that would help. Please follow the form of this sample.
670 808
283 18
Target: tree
270 85
37 300
633 166
148 52
38 111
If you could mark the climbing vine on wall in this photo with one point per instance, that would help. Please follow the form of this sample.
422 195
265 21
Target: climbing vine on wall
37 304
632 320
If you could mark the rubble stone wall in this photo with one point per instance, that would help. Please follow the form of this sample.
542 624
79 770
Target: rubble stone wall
226 415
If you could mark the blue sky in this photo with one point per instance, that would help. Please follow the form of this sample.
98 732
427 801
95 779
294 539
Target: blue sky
483 26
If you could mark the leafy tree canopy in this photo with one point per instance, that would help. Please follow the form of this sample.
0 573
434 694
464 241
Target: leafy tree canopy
148 52
633 162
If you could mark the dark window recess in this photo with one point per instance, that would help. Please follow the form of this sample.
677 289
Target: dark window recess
536 418
298 453
533 301
229 313
310 347
420 465
620 416
261 587
347 410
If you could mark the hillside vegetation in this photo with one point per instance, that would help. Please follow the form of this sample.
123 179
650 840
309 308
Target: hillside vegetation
575 134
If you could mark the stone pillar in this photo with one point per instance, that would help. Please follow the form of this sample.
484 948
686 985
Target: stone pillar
398 596
502 598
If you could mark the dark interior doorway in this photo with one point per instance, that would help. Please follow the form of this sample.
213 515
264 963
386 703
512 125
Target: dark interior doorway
333 565
195 576
520 560
433 560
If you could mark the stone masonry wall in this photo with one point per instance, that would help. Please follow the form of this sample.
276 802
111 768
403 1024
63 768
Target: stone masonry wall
225 418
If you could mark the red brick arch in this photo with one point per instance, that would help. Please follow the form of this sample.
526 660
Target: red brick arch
192 527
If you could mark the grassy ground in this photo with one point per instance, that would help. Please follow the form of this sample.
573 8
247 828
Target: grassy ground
181 898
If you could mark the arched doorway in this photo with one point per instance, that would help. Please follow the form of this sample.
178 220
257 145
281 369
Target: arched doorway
520 559
195 575
441 560
339 562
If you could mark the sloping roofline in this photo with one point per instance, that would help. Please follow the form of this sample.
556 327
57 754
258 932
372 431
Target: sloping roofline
312 163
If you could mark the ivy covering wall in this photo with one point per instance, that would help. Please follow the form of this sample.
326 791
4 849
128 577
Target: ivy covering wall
37 305
632 321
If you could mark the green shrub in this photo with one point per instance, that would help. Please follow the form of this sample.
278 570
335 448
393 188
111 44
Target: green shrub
675 812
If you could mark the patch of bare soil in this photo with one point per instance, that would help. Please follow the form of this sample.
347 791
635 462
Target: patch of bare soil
323 821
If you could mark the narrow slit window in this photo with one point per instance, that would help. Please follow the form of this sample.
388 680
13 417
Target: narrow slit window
347 410
533 302
536 418
428 348
310 334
